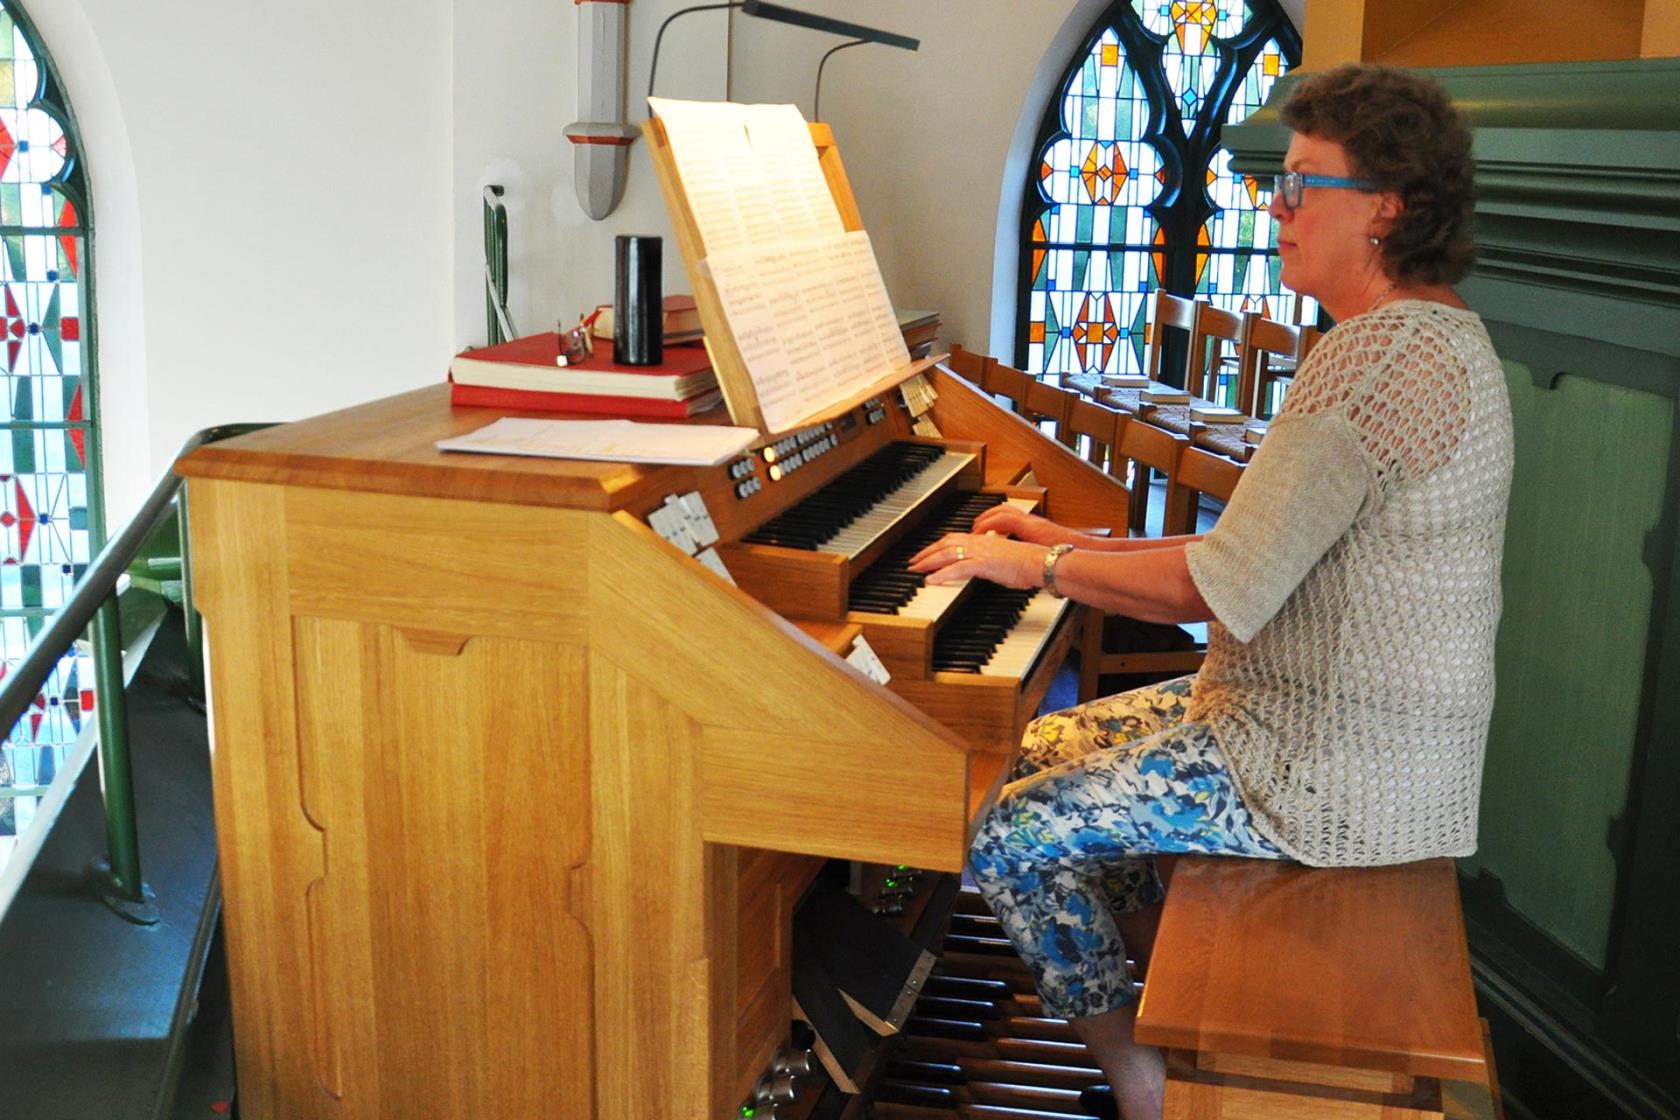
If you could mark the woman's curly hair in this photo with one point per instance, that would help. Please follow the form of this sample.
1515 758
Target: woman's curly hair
1402 130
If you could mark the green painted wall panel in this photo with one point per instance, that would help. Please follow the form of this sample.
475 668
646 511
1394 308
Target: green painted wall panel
1591 468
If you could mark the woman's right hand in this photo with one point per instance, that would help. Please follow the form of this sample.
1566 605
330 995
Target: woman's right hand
1008 521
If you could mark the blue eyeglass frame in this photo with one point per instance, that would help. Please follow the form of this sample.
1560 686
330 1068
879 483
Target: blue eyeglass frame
1290 184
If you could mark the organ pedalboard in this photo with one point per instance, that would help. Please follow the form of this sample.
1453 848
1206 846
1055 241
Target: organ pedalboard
965 1036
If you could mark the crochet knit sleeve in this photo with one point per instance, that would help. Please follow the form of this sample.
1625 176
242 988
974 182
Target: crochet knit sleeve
1400 381
1296 499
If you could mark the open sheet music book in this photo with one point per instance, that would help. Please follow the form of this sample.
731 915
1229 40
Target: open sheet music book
803 297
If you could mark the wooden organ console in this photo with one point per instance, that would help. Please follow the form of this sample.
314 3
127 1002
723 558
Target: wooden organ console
515 799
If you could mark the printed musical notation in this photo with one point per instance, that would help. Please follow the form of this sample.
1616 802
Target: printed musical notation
804 298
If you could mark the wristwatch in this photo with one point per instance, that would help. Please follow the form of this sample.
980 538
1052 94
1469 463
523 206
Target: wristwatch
1051 559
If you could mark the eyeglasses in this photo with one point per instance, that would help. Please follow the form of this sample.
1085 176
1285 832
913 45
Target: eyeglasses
1290 184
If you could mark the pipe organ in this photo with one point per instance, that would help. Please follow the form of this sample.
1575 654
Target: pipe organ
516 800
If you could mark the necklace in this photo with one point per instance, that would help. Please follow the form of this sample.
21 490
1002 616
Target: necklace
1382 295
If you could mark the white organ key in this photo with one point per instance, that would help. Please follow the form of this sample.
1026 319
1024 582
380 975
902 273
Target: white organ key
868 527
1018 652
930 601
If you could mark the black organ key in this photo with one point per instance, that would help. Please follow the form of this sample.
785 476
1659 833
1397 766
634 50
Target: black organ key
889 584
820 516
977 627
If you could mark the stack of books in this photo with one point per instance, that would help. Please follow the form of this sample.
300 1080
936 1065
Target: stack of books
682 321
920 330
525 375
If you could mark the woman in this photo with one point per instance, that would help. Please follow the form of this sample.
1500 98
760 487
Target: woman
1351 586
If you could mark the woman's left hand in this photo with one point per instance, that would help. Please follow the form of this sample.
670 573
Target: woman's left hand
959 556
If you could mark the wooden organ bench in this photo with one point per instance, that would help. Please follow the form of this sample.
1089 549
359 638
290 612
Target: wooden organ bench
1286 991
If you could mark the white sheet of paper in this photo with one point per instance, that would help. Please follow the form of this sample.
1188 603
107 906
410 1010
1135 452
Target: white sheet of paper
803 297
619 441
750 172
808 319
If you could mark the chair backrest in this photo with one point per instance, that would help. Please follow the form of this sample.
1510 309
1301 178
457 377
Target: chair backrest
1150 448
1199 472
1216 336
1046 403
1309 339
1263 338
1169 311
1099 427
1005 381
968 365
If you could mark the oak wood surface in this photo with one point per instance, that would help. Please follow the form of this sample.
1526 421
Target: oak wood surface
269 851
498 768
1384 948
731 368
388 446
1078 493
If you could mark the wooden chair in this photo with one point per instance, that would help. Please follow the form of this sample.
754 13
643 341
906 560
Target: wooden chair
1149 448
1263 340
1199 472
1213 329
1169 311
969 366
1007 382
1285 991
1099 427
1050 404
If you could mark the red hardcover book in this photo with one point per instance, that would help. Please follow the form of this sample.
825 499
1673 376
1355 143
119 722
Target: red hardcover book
532 364
595 404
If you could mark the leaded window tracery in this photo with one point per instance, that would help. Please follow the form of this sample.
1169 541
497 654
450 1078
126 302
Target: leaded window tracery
1132 190
51 521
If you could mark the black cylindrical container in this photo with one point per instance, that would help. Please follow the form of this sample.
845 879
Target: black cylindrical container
638 303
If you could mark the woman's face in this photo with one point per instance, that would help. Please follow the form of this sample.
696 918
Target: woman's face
1325 243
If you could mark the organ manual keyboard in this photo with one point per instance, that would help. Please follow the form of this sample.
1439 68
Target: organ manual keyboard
515 799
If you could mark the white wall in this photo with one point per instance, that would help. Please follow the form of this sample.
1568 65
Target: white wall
937 143
271 191
515 92
928 137
287 196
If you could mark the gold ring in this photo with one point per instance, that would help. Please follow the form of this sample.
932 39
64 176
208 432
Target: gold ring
961 555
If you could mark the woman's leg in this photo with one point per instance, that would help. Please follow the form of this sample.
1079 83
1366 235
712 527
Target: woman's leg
1063 843
1132 888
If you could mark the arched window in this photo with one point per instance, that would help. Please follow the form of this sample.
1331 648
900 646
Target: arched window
1132 190
51 519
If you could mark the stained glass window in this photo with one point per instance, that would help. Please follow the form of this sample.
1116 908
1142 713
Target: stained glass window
50 520
1134 192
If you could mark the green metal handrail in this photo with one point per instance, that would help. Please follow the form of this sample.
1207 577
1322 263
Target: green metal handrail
117 876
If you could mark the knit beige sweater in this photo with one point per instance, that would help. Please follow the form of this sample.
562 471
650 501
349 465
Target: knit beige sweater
1354 579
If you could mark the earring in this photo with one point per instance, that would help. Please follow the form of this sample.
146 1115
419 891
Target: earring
1375 240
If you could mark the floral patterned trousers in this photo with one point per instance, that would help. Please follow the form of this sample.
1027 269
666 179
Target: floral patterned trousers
1099 790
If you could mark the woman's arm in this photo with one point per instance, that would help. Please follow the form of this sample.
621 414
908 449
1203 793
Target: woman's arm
1009 521
1151 584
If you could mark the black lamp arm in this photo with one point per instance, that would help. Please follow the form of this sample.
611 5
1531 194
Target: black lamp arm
816 100
653 67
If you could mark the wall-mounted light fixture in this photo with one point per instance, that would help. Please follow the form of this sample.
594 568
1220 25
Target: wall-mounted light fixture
858 32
